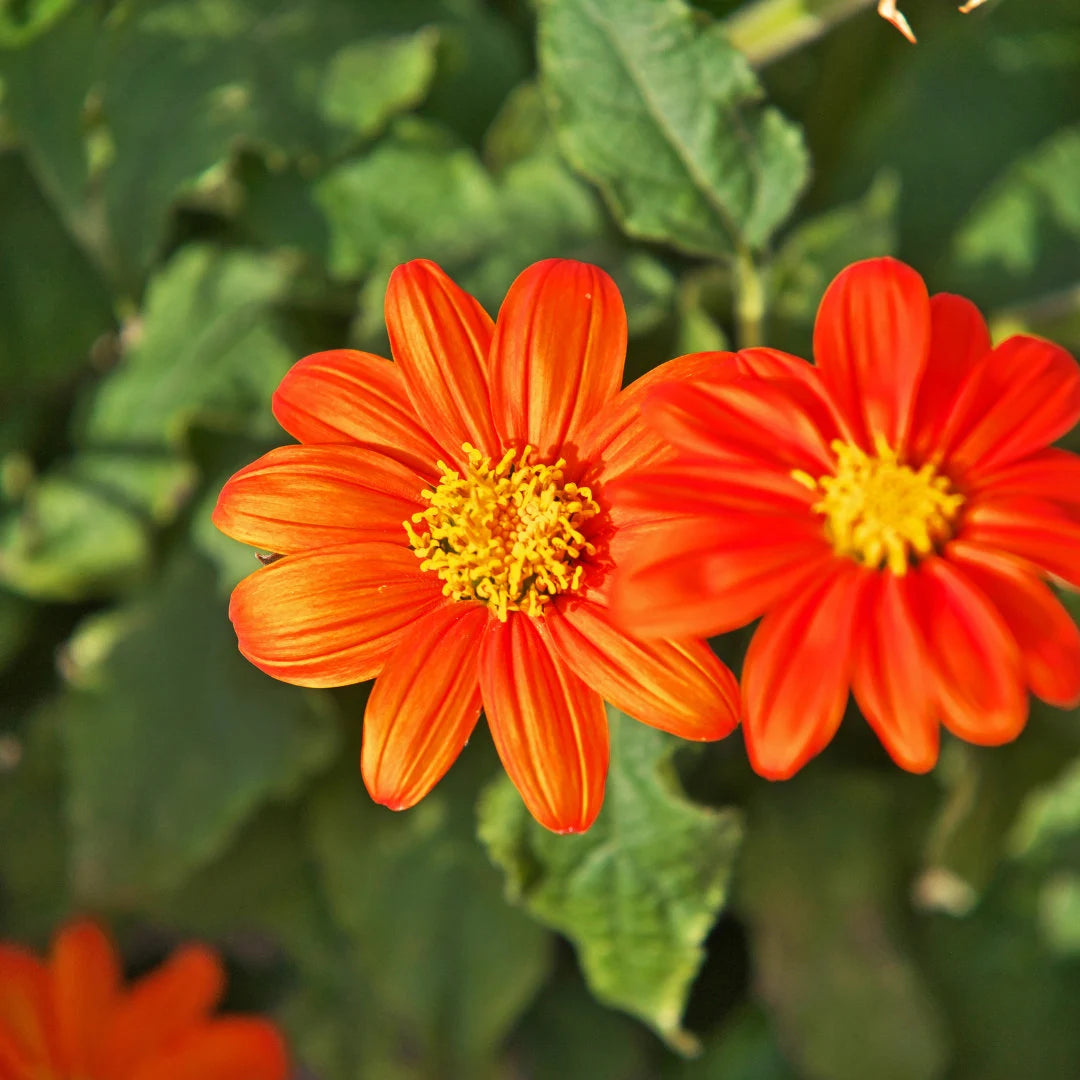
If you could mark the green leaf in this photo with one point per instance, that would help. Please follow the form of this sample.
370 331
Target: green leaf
70 540
1040 193
22 22
371 81
206 349
638 893
449 960
173 739
38 349
33 855
656 108
821 888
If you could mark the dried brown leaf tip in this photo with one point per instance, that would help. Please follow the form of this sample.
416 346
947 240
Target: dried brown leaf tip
888 10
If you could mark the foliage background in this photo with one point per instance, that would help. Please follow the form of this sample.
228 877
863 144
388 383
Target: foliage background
194 193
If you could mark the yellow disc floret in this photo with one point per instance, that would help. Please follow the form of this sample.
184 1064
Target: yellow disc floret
506 534
880 512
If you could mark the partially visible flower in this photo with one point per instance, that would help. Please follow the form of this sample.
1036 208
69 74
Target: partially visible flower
888 10
71 1018
446 526
892 512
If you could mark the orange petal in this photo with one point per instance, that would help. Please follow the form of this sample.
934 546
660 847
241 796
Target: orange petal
549 728
1048 639
1018 399
423 707
440 337
871 341
557 355
332 617
1048 474
160 1007
705 576
890 679
959 339
343 396
26 1023
1044 533
777 422
798 671
677 686
617 441
86 981
232 1048
297 498
975 660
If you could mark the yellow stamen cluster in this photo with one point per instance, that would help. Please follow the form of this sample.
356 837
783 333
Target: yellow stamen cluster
881 512
506 534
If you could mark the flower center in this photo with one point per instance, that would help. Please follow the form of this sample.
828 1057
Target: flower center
880 512
508 534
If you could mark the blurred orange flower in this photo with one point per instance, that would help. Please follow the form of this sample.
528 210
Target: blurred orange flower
446 526
889 11
71 1018
892 512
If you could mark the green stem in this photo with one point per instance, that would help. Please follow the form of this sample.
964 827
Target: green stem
765 30
749 301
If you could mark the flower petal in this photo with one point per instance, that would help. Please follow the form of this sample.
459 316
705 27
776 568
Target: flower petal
557 355
890 676
1043 532
231 1048
85 979
297 498
350 397
1048 474
332 617
975 660
1018 399
423 706
677 686
871 341
1048 639
161 1006
798 671
703 576
440 337
617 441
959 339
26 1025
779 422
549 728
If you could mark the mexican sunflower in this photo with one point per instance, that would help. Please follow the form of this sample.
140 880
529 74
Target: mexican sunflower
892 512
71 1018
445 525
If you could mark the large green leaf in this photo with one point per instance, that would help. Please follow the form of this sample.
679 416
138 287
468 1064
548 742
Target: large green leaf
637 893
450 961
821 888
655 107
34 888
173 739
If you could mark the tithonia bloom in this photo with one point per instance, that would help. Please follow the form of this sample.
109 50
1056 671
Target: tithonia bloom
892 512
445 525
70 1017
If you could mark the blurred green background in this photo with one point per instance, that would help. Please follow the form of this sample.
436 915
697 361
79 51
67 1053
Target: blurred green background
195 193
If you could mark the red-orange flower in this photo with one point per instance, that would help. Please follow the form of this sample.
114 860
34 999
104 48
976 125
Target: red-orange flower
71 1018
445 525
892 512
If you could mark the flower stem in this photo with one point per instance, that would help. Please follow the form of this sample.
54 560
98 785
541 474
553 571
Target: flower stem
749 301
765 30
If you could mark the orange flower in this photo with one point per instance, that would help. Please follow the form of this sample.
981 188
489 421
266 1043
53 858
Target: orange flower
888 10
892 512
446 526
70 1018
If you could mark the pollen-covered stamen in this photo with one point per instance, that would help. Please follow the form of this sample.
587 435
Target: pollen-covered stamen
880 512
506 534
